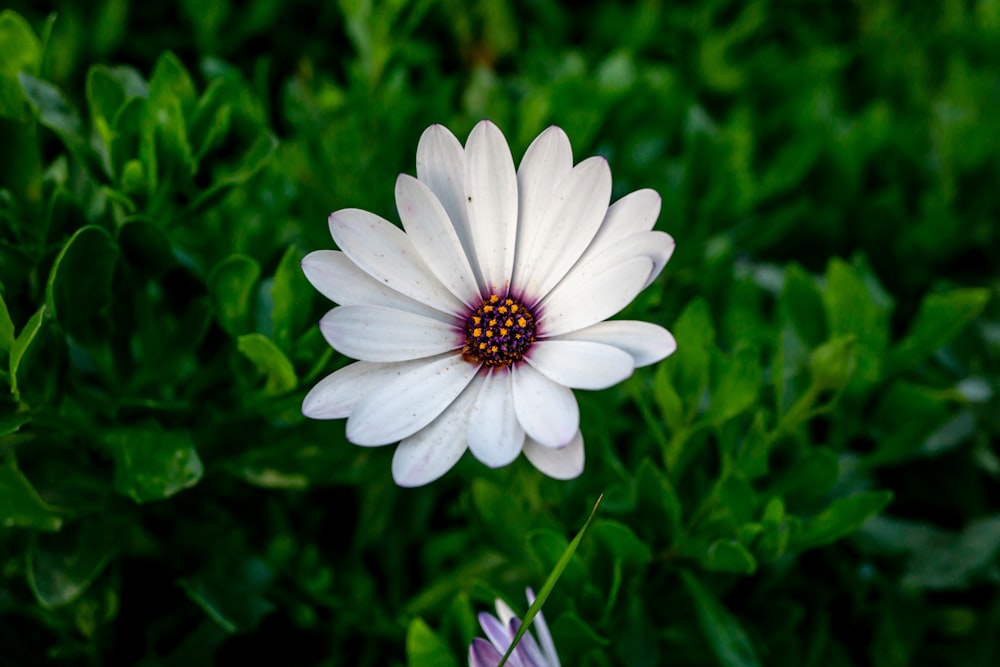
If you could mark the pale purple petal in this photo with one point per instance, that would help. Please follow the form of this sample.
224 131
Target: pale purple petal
384 252
541 627
495 436
336 395
547 410
400 408
559 463
590 299
375 333
645 341
493 200
436 448
581 364
482 654
433 235
339 279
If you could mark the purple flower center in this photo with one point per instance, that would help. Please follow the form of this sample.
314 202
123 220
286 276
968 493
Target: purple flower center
498 332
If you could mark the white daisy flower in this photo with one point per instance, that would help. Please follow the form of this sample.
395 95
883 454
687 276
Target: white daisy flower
473 324
500 631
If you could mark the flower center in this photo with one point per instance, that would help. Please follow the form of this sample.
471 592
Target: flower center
499 332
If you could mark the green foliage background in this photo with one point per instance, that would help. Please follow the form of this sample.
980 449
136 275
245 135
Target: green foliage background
810 481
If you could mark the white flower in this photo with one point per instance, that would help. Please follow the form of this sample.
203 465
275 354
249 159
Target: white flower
500 631
474 322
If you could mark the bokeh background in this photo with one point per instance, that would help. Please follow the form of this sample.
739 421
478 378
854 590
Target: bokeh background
812 480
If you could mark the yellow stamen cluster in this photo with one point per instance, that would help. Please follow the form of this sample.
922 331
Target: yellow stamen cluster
498 332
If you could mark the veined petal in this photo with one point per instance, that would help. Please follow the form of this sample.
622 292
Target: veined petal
566 229
581 364
384 252
441 165
646 342
588 299
548 160
482 654
547 410
634 213
336 395
495 436
436 448
541 627
499 634
658 246
493 201
339 279
558 463
427 225
375 333
400 408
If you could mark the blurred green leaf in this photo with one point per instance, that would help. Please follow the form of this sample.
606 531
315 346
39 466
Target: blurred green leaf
63 565
809 478
906 416
234 598
667 399
20 50
152 463
726 636
425 648
852 309
22 346
58 114
622 542
839 519
833 364
79 284
270 362
737 385
231 285
801 303
954 563
20 504
656 492
145 246
258 155
695 334
941 317
290 310
6 328
729 556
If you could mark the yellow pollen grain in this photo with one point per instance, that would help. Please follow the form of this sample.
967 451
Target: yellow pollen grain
482 346
487 309
513 308
494 298
476 320
494 349
489 333
477 332
521 322
502 310
508 322
503 332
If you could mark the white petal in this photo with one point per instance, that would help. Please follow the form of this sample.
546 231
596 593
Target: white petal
547 410
375 333
384 252
495 436
658 246
436 448
566 229
336 395
589 299
433 235
581 364
634 213
504 612
492 200
400 408
558 463
339 279
441 165
541 627
547 161
646 342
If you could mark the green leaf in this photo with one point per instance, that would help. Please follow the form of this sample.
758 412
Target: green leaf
908 415
108 88
833 363
20 504
22 346
622 542
230 285
234 598
729 556
166 152
752 460
941 317
62 566
58 114
737 385
773 541
655 491
841 518
79 284
690 369
258 155
290 310
726 637
152 463
852 309
270 362
145 247
20 50
801 303
667 399
550 583
6 328
425 648
809 478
